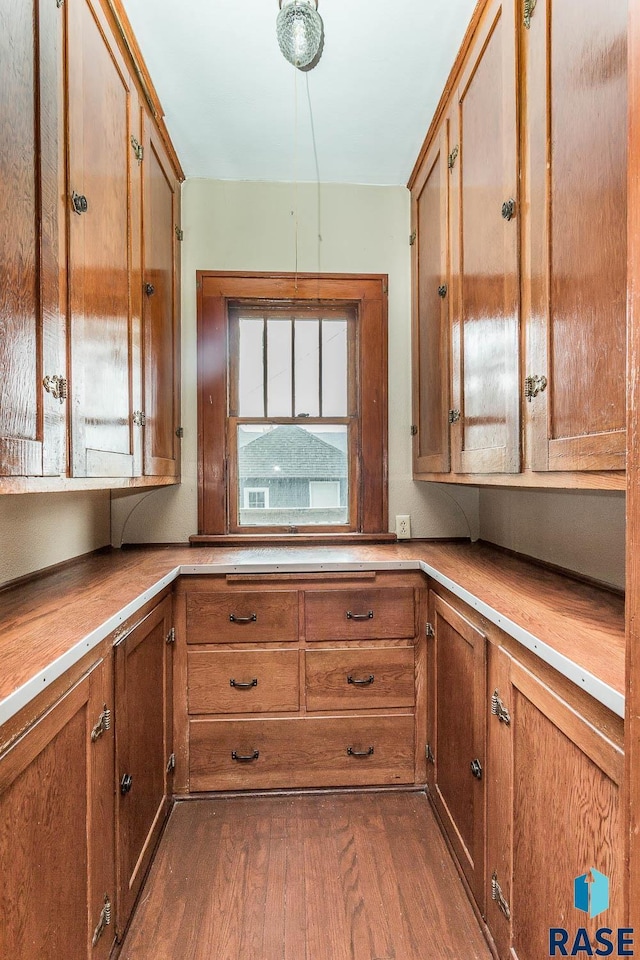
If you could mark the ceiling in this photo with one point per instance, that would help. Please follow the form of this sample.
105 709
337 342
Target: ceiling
236 110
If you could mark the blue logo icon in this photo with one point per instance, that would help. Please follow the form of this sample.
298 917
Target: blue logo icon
591 892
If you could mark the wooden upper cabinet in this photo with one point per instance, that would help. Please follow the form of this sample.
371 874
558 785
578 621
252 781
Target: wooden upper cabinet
32 421
100 155
575 62
485 271
431 311
160 308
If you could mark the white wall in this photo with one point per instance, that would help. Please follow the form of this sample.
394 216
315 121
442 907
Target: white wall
579 530
38 530
253 226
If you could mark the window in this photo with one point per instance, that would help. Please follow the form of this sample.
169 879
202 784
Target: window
292 405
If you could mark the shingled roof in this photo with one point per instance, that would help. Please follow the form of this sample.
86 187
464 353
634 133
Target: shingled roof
297 452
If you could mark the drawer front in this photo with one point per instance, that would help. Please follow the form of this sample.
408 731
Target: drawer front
243 681
361 678
242 617
365 614
300 752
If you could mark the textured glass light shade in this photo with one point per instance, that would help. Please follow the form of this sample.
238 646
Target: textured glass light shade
299 29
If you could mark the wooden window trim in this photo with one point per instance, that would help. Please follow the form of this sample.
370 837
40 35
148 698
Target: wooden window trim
215 289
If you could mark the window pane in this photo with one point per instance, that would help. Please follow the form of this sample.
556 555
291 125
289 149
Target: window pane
279 368
334 368
300 472
307 368
251 372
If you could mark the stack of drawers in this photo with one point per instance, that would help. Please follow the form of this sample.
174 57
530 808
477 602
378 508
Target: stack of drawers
300 684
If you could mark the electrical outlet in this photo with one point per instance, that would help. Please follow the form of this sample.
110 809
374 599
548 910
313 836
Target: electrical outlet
403 528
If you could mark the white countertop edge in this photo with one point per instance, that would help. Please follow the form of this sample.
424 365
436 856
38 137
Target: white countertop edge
582 678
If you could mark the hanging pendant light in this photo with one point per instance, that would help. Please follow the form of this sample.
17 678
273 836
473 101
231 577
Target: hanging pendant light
299 27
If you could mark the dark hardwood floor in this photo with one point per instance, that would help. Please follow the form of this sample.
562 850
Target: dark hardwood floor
333 876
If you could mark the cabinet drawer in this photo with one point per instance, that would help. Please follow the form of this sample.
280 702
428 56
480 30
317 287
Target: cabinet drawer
359 614
363 677
300 752
242 617
239 681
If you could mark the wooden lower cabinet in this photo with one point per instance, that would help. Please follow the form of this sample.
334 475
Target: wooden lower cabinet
143 661
56 831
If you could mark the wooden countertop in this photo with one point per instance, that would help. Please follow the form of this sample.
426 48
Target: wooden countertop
47 625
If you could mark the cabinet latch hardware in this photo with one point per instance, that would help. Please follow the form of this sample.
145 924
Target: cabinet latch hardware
412 238
533 386
59 3
179 432
529 7
139 418
360 616
171 636
103 724
57 387
499 710
476 769
414 430
361 681
179 233
428 752
243 684
79 203
138 150
103 921
126 783
171 763
453 156
149 289
442 290
454 416
240 758
509 209
429 631
498 896
360 753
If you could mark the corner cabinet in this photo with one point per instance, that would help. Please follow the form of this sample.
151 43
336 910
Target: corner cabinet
91 258
530 390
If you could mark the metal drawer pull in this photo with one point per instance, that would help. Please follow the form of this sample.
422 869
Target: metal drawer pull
244 685
361 683
241 759
360 753
360 616
251 619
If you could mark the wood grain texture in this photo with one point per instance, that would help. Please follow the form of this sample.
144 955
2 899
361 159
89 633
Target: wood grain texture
328 672
275 672
300 752
333 877
209 617
327 614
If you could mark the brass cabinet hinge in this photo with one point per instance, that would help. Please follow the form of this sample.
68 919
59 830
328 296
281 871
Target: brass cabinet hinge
412 238
171 763
428 752
171 636
139 418
430 632
103 921
385 287
179 233
103 724
57 387
498 897
453 156
499 710
454 416
529 7
533 386
138 149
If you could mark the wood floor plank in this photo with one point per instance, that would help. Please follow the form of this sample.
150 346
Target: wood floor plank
333 876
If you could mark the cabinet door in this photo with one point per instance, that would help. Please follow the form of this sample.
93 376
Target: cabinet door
143 748
576 77
160 309
457 735
100 156
56 829
431 312
32 422
485 274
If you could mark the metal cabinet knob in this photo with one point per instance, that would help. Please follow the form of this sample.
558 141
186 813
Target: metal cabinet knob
509 209
125 784
149 289
79 202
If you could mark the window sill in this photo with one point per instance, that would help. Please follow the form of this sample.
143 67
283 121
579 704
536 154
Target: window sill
286 539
